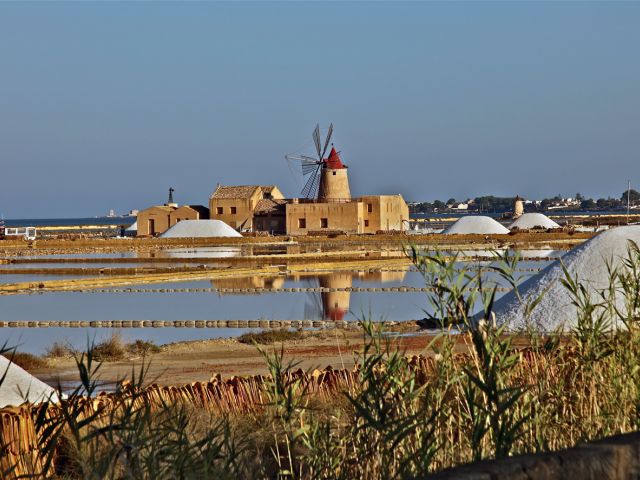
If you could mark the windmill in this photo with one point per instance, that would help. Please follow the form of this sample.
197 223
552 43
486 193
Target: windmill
314 169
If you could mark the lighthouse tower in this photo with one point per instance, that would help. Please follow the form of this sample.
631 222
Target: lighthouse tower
334 181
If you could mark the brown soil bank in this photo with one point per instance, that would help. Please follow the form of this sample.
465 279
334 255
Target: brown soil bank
199 360
521 239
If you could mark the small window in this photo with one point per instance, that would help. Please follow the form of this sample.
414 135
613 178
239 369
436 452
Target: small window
233 210
369 207
324 223
334 173
219 210
302 223
366 223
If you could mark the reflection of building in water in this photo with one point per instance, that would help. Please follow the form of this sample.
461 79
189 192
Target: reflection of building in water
383 276
335 305
332 303
248 282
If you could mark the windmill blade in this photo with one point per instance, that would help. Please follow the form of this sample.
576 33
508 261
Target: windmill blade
316 184
313 306
307 168
301 158
308 187
326 143
316 140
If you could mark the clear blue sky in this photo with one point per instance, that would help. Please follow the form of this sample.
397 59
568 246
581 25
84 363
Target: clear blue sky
106 105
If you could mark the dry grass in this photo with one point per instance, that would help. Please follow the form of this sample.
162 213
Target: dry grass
143 348
269 337
111 350
27 361
59 350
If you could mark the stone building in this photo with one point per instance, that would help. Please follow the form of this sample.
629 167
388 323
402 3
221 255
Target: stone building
263 208
158 219
236 205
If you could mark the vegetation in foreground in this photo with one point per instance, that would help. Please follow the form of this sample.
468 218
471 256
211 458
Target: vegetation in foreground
399 419
269 337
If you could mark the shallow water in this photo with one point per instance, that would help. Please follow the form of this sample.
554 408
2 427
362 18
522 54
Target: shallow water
211 305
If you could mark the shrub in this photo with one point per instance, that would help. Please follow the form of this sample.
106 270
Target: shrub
27 361
143 348
110 350
59 350
269 337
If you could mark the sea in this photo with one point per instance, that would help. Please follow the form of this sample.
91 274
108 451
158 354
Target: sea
69 222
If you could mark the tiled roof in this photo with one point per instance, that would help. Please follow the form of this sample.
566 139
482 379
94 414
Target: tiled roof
270 206
238 191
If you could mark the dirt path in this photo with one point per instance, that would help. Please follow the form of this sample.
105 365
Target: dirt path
192 361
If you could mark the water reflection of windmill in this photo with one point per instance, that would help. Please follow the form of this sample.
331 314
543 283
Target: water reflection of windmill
331 305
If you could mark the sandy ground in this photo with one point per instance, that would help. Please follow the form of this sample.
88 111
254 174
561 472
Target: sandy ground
186 362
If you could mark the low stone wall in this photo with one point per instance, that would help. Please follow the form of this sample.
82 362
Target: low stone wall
612 458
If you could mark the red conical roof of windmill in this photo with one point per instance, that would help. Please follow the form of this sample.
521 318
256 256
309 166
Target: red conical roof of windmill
333 161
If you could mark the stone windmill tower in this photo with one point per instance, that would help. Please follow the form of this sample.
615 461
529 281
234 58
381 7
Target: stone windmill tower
518 207
327 178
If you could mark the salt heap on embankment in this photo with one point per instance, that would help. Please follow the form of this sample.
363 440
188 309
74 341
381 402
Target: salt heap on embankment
530 221
587 261
19 386
474 224
200 229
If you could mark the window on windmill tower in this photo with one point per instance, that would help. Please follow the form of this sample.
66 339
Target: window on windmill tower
302 223
366 223
324 223
219 210
233 210
369 207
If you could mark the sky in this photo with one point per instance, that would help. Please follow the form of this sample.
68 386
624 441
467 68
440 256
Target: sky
105 105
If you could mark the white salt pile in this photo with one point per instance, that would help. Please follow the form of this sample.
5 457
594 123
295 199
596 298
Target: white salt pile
587 262
476 224
200 229
529 221
19 386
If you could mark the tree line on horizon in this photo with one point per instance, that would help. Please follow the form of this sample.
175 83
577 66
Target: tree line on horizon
491 203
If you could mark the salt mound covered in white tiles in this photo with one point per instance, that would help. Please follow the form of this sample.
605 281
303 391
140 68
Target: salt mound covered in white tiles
20 386
529 221
200 229
476 224
587 261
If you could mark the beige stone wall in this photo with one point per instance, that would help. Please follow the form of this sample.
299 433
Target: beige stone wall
334 185
276 194
153 221
244 207
339 216
183 213
243 216
384 212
